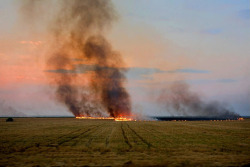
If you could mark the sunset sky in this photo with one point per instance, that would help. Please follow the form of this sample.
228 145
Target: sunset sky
204 43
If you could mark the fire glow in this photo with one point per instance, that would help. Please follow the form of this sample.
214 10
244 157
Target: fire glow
107 118
240 119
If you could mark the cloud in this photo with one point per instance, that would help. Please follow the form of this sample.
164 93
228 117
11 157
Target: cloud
244 14
147 73
190 70
131 73
226 80
62 71
209 81
137 73
142 73
213 31
33 43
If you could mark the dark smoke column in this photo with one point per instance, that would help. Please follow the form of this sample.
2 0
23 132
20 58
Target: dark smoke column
109 78
77 28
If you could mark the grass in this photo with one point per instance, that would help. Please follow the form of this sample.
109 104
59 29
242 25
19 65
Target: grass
73 142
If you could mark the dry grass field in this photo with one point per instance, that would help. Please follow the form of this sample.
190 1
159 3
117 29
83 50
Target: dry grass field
73 142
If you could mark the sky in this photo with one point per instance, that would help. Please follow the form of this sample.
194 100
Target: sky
203 43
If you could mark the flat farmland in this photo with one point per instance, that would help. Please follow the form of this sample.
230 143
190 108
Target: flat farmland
74 142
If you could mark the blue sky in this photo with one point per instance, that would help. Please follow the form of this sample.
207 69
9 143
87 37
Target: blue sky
206 42
203 42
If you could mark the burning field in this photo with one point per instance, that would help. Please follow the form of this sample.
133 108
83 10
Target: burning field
69 65
87 142
107 118
87 74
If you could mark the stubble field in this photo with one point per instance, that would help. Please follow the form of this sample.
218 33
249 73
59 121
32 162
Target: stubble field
73 142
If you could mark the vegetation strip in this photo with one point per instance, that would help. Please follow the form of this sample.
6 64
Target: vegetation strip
172 143
142 139
76 136
125 137
108 137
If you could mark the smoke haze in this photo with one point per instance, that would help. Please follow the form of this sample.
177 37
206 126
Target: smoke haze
7 111
77 28
89 75
181 101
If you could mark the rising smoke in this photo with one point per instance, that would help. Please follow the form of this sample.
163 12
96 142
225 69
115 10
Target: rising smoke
77 28
179 100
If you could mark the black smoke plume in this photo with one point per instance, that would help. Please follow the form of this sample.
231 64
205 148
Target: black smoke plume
180 101
77 28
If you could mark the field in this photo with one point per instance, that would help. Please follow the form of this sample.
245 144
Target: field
73 142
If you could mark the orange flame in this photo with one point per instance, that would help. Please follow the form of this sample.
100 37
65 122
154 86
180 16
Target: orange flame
83 117
124 119
109 118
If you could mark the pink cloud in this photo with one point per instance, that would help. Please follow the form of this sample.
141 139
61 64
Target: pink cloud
33 43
